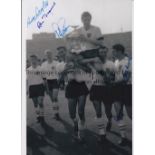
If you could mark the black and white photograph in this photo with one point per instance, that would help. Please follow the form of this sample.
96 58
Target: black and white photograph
78 56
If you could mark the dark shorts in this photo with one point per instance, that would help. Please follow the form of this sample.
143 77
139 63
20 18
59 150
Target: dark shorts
101 93
53 84
127 94
36 90
89 53
118 92
76 89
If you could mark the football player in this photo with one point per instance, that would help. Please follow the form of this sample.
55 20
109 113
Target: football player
76 93
100 92
122 89
51 68
36 87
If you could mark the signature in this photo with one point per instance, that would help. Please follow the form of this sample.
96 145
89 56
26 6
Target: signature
45 15
126 73
60 28
49 11
38 12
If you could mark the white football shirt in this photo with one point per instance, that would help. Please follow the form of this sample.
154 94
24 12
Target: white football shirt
120 67
34 76
98 78
92 33
52 69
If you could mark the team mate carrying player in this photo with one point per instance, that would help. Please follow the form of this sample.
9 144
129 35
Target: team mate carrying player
85 43
36 87
122 89
76 93
103 71
51 70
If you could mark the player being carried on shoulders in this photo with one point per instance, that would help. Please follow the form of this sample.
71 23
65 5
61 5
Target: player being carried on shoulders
76 93
83 44
85 40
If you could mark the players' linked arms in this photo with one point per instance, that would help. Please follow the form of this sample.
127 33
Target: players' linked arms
64 73
92 68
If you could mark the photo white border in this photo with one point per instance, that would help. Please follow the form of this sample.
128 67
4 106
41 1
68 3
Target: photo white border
144 107
24 107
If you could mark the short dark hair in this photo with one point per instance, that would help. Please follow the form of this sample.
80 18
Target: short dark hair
86 13
119 47
33 56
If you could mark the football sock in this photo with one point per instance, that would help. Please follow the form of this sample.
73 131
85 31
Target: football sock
101 126
122 128
81 126
75 121
55 108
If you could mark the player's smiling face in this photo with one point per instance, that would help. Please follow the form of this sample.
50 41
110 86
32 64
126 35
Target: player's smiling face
49 56
103 52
